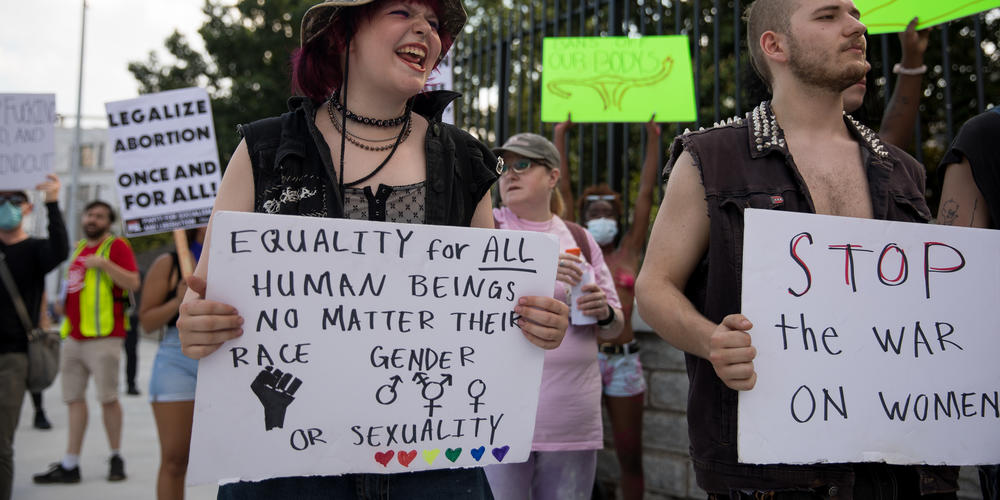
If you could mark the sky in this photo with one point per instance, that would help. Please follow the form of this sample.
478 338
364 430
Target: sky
40 47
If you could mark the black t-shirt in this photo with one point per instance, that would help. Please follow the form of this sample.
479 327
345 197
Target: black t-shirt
29 261
979 142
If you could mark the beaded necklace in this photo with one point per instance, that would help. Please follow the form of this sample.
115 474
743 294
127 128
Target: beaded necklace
335 103
356 140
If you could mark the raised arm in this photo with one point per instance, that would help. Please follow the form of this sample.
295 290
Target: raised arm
900 116
154 309
634 241
204 325
565 180
677 244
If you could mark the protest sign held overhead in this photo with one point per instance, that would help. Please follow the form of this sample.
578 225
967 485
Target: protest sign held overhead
166 160
875 341
617 79
368 348
27 139
888 16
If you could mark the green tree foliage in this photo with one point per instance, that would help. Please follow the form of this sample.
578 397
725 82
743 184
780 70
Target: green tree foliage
245 65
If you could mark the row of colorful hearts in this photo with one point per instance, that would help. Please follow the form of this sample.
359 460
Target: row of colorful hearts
405 457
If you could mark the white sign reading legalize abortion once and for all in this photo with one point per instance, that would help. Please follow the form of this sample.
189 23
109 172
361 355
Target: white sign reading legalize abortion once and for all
876 341
166 160
27 139
367 348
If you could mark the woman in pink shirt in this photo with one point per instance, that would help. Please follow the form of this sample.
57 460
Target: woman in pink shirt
568 429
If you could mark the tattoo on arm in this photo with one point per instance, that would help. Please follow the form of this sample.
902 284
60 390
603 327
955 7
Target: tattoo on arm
975 204
949 212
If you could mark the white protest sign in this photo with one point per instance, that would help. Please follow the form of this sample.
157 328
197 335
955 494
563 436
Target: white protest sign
27 139
367 347
442 78
166 160
876 341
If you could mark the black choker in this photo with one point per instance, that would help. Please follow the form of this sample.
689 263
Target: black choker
373 122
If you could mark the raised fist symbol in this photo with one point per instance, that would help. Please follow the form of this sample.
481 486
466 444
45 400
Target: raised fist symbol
275 390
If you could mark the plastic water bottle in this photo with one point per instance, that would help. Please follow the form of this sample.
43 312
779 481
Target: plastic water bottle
576 316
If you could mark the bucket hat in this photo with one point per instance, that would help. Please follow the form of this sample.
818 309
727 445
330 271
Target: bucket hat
319 16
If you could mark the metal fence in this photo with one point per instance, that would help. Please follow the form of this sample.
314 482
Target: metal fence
498 69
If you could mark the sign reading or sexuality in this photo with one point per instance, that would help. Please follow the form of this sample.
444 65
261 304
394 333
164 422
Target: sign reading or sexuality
367 348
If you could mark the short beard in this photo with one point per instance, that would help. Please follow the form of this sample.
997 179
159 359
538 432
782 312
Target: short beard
820 75
93 233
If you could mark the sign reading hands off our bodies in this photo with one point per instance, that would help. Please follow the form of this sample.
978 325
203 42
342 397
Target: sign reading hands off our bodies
887 16
617 79
876 341
367 347
166 160
27 139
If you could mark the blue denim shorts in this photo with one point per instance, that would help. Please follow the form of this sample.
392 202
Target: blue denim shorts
174 374
621 374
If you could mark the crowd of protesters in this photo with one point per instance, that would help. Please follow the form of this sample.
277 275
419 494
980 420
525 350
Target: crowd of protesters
362 66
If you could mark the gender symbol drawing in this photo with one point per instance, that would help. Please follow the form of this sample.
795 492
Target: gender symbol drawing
611 87
432 390
275 390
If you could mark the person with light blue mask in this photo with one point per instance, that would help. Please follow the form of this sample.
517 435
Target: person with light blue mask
28 260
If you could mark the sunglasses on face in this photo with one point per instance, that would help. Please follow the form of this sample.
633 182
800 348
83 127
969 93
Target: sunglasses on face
519 166
600 197
14 198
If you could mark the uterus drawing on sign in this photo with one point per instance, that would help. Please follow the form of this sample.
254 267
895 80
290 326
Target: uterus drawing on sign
275 390
432 390
610 87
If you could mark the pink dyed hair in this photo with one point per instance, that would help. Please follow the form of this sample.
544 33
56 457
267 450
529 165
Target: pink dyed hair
316 65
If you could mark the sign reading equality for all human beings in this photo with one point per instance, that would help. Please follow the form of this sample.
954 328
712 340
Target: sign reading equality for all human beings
876 341
166 160
367 348
617 79
27 139
887 16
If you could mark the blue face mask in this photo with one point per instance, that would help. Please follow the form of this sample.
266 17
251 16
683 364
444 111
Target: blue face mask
603 230
10 216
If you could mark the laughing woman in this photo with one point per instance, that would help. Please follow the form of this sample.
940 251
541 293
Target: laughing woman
363 142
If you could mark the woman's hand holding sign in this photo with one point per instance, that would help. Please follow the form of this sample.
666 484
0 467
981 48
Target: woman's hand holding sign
543 321
204 325
732 354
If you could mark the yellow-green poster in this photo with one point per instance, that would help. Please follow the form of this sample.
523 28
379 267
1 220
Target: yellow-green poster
617 79
887 16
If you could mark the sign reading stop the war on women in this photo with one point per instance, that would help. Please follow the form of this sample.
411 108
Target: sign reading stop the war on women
27 139
166 160
367 348
887 16
876 341
617 79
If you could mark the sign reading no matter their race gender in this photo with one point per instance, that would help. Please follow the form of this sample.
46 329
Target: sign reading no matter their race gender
367 348
876 341
617 79
166 160
27 139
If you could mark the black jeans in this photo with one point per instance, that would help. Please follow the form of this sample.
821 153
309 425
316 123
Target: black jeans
872 481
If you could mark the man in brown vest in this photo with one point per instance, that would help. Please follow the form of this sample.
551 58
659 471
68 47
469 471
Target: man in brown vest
797 152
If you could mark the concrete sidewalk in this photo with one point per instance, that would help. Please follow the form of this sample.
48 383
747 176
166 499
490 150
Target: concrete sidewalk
34 450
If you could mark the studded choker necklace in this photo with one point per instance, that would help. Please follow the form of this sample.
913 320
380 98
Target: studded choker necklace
373 122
